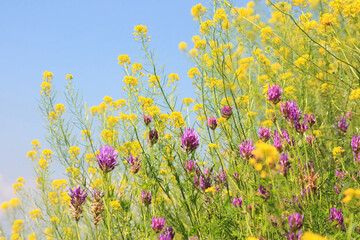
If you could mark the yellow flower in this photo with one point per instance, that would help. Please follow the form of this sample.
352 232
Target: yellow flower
131 81
69 76
187 101
177 119
124 59
31 155
213 145
34 214
59 184
173 77
312 236
211 190
115 205
47 153
14 202
36 143
74 151
337 152
46 87
355 94
31 236
108 99
267 33
48 76
197 107
54 220
328 19
194 72
183 46
18 226
197 11
43 163
140 30
5 205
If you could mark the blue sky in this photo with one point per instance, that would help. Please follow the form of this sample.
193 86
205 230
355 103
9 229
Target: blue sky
82 38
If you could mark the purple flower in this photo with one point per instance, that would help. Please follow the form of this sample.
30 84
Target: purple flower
168 234
189 140
284 163
263 192
341 126
212 123
277 141
77 200
264 134
107 158
310 119
237 202
290 111
134 163
153 137
146 197
310 140
77 196
96 193
220 178
190 166
293 236
147 119
193 238
339 176
301 128
336 216
226 112
205 182
157 224
295 222
274 94
286 136
246 148
236 176
355 144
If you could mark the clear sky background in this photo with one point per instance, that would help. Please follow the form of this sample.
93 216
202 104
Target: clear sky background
82 38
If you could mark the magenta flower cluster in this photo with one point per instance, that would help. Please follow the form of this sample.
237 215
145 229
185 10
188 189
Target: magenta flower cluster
189 140
107 158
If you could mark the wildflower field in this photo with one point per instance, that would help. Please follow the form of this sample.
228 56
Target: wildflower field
268 147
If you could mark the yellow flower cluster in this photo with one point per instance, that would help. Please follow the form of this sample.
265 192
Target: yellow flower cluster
13 203
265 158
19 184
182 46
59 184
355 94
188 101
17 229
337 152
173 77
177 119
312 236
124 59
108 135
140 31
131 81
73 171
350 194
197 11
34 214
46 84
74 151
193 73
